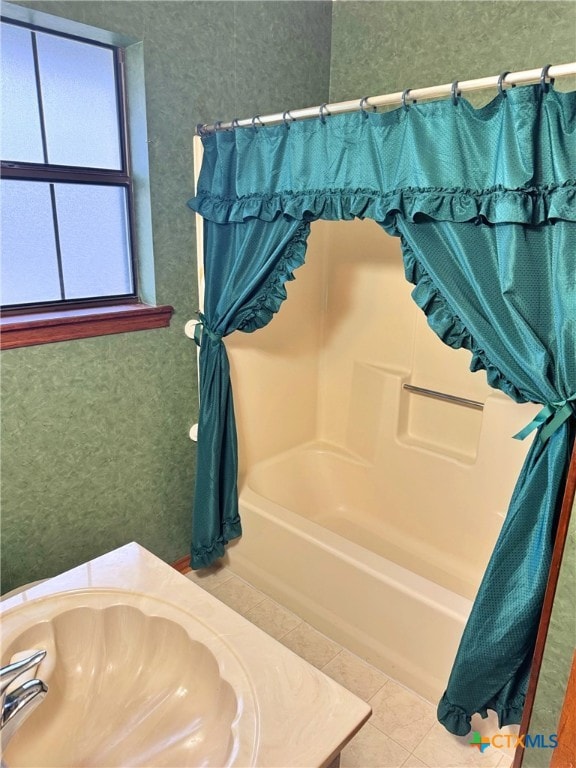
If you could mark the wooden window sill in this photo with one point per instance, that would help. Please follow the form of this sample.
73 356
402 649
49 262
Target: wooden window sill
28 330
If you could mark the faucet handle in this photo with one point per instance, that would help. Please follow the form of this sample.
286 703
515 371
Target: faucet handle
19 698
11 672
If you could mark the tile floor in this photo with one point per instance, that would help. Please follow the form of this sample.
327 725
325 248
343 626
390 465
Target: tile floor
402 732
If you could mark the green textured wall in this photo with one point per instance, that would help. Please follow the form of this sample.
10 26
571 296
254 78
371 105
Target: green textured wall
95 447
382 47
386 46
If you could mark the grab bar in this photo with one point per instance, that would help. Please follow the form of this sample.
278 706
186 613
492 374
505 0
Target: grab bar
443 396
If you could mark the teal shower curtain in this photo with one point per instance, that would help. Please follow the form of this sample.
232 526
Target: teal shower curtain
484 202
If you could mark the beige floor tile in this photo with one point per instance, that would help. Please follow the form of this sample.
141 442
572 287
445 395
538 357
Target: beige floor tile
413 762
356 675
505 761
440 749
210 578
371 748
238 594
402 715
311 645
273 618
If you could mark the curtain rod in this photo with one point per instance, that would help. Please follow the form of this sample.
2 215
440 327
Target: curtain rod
524 77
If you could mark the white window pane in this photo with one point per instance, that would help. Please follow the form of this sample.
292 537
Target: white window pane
79 99
21 138
94 242
29 263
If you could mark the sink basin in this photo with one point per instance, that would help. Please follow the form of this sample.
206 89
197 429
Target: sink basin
145 668
132 681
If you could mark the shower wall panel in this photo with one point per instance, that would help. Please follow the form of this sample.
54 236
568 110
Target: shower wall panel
326 377
275 369
372 319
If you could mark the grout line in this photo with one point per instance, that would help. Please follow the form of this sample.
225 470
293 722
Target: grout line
379 690
283 635
422 739
205 582
278 637
405 763
330 662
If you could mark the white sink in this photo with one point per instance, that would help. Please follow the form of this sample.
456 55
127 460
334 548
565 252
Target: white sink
145 668
132 681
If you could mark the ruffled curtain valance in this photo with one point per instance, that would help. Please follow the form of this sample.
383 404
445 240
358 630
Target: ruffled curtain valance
533 206
439 160
484 202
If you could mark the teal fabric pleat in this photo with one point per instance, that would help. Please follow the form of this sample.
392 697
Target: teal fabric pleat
492 665
246 266
484 201
507 293
216 520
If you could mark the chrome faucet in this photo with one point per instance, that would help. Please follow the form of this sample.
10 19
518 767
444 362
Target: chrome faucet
19 703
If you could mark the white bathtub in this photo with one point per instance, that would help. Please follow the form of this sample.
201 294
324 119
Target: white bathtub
400 621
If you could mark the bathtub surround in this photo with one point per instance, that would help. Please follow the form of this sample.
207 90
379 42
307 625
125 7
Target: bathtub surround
380 166
328 500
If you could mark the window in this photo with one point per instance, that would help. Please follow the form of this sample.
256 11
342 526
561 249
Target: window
66 192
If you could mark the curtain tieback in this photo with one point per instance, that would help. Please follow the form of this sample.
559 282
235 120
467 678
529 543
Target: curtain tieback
552 416
201 329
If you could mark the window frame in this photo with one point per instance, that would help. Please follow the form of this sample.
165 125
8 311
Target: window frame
43 322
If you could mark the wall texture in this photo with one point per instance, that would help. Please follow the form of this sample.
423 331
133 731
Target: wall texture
95 448
384 46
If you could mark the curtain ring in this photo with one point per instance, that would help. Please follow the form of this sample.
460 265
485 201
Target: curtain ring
257 117
501 77
287 120
201 129
405 93
321 113
543 75
363 103
455 92
235 123
501 89
217 125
